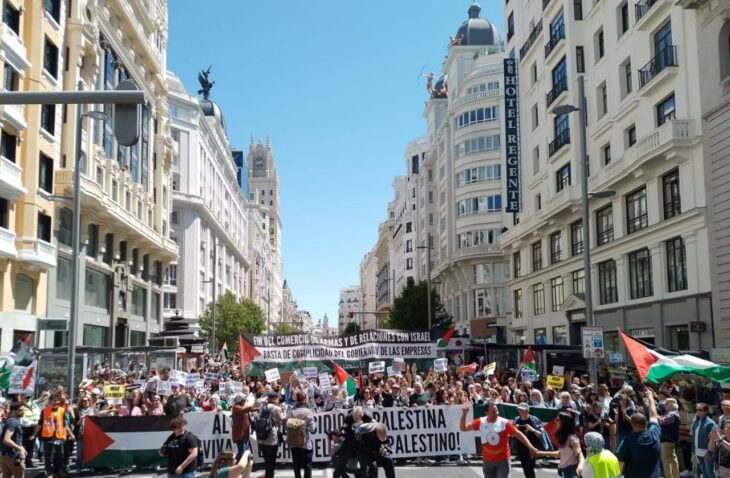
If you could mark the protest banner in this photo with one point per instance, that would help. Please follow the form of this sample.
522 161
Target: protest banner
324 382
22 379
489 369
558 370
555 382
376 367
365 345
272 375
310 372
114 393
164 388
211 377
178 376
440 365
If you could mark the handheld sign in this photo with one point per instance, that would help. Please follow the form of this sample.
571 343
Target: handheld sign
191 380
272 375
489 369
528 375
114 394
399 364
393 372
558 370
324 382
440 365
178 376
555 382
164 388
22 379
310 372
376 367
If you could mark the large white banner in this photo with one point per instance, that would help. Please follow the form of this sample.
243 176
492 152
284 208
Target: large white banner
412 432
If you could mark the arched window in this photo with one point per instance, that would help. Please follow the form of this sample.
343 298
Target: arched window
724 50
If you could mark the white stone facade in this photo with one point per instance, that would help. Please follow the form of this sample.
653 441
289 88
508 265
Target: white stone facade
350 306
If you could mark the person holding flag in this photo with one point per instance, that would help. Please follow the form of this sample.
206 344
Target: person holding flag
528 367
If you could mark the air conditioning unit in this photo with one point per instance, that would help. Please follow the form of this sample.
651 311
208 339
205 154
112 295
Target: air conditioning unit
171 342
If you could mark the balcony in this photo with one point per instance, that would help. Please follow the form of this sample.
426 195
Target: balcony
555 37
558 88
13 116
480 250
13 48
11 182
534 34
647 9
560 140
481 95
666 58
41 254
7 244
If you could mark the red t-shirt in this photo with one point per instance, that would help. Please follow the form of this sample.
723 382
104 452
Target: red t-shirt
495 437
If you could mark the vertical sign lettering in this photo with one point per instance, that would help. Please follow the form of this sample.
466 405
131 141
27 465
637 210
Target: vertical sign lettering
511 132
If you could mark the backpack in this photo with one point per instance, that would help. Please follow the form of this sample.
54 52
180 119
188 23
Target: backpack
296 433
264 424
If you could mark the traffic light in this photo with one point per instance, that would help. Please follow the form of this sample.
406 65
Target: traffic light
126 118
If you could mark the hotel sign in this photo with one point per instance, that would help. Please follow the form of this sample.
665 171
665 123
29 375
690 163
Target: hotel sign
511 133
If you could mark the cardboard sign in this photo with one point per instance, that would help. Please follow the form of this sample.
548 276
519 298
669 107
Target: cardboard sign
392 372
324 382
527 375
164 388
616 358
178 376
489 369
399 364
199 386
555 382
376 367
272 375
558 370
22 379
192 379
310 372
233 387
440 365
114 394
211 377
142 385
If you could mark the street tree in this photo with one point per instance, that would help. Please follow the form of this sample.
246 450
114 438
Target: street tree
410 310
351 328
285 329
232 318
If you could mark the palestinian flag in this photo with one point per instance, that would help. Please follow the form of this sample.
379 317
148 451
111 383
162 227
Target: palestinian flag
444 341
224 350
654 367
246 351
123 442
548 416
344 380
528 361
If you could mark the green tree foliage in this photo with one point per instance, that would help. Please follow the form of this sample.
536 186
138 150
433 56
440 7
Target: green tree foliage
351 328
232 318
410 310
285 329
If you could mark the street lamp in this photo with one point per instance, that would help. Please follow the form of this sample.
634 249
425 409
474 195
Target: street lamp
585 195
75 248
428 280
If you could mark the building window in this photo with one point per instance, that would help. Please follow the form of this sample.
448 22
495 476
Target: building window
606 153
576 238
96 336
607 282
604 225
409 264
538 201
535 116
533 73
600 46
8 144
93 240
624 15
580 62
4 213
48 118
676 265
578 9
480 115
672 202
97 289
538 298
482 303
516 265
53 7
11 17
156 311
535 160
510 26
557 293
556 247
169 300
562 178
44 227
603 105
65 222
679 337
537 256
50 58
628 83
63 279
640 274
136 338
560 335
630 136
637 217
579 281
139 301
665 110
517 300
10 78
45 173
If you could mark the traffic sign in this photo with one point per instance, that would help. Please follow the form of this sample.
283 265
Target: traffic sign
593 344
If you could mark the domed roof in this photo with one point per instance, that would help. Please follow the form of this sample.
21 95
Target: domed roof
211 108
476 30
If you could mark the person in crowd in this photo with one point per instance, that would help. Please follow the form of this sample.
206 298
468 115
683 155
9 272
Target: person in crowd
419 398
271 418
225 466
178 402
241 423
621 411
599 462
669 423
700 431
28 422
719 445
725 408
154 406
536 399
84 409
639 452
532 428
181 450
495 432
301 452
55 430
598 421
373 450
12 452
569 451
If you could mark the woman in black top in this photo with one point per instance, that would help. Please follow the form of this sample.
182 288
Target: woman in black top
181 450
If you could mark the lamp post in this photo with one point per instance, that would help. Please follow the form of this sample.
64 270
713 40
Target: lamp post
75 249
585 196
428 280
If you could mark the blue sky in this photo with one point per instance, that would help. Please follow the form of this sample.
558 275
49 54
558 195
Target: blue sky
335 84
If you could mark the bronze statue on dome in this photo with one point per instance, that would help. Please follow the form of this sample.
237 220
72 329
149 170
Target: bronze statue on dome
205 84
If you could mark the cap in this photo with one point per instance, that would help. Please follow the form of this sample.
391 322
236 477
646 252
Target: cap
174 385
523 406
395 385
96 391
